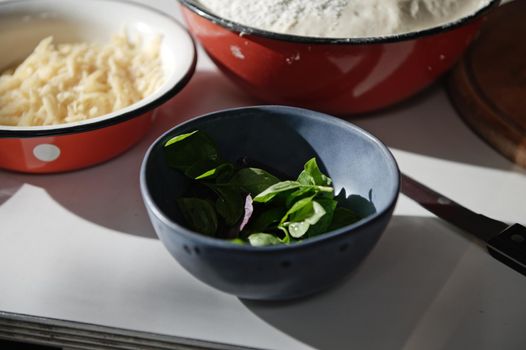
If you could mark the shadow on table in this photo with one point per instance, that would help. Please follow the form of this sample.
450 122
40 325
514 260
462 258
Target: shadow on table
414 262
108 194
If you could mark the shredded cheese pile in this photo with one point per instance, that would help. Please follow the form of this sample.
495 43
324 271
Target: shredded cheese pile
72 82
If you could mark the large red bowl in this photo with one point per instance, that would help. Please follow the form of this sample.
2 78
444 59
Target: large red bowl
64 147
338 76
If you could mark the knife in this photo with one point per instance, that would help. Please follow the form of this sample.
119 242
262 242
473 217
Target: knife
506 243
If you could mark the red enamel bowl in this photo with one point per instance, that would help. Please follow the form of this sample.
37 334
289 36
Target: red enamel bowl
64 147
337 76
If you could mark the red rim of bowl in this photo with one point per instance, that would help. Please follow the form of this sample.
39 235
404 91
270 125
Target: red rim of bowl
243 29
120 117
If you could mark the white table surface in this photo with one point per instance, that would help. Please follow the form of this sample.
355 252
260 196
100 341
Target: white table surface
78 246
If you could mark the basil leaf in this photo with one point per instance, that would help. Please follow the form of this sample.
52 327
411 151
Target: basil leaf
221 171
224 173
298 229
300 210
275 189
286 239
301 216
308 191
300 193
254 180
322 226
200 168
237 241
312 175
229 204
263 239
184 151
343 217
283 186
199 215
266 219
179 138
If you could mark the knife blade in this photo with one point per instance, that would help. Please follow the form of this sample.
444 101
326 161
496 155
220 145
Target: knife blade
506 243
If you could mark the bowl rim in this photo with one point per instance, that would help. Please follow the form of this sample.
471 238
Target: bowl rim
103 120
242 29
225 244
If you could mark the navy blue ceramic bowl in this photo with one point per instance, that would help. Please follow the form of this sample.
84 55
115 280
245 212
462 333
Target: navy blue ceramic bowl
283 138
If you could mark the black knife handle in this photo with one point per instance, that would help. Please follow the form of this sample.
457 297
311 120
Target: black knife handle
509 247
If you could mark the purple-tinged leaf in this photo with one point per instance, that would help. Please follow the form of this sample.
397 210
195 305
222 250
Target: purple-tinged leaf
249 209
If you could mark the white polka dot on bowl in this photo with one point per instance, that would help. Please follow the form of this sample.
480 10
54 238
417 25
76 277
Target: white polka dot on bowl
46 152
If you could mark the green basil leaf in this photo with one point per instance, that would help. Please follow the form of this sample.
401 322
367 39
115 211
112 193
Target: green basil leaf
286 239
318 213
302 216
224 173
298 229
312 175
263 239
275 189
222 170
183 151
308 191
229 204
322 226
254 180
199 214
201 167
266 220
301 210
300 193
179 138
238 241
343 217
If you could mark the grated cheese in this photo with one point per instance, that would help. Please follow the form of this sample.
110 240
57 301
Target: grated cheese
73 82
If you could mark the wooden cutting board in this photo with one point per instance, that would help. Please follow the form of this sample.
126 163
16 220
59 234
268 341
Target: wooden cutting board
488 87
